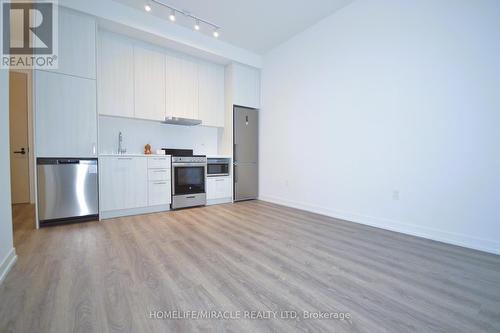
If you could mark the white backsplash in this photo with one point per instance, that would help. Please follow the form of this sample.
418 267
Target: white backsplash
138 133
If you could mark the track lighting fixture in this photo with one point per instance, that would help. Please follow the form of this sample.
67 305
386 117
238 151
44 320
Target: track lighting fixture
174 11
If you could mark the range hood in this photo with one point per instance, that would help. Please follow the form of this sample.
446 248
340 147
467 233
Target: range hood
181 121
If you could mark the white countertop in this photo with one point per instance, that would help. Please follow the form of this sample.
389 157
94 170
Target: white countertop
157 155
134 155
219 156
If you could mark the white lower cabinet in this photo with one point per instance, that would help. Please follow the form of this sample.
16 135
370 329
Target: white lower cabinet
159 193
159 162
124 183
159 181
158 174
218 189
129 186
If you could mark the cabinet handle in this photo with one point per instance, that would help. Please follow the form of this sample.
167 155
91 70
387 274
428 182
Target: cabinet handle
163 171
162 183
125 158
219 180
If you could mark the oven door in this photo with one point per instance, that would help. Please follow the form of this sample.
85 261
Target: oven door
188 178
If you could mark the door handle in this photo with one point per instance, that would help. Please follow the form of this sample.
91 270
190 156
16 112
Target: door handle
22 151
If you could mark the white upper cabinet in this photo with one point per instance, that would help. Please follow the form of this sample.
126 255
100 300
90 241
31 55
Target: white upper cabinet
211 94
65 115
76 55
149 83
246 89
138 80
182 87
115 76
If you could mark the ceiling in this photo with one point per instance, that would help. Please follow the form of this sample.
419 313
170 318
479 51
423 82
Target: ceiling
255 25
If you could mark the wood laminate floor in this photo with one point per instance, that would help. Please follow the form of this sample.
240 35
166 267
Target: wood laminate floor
252 256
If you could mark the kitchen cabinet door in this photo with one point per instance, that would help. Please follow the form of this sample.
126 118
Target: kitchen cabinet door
124 182
65 116
115 76
211 94
76 54
149 83
218 188
246 81
211 188
159 162
224 188
181 87
159 193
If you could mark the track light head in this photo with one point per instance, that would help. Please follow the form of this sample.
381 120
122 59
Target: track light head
147 7
172 16
197 25
216 33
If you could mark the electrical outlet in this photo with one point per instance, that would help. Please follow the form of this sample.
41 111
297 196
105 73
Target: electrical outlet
395 195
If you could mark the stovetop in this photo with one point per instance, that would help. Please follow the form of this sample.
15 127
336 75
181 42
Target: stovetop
180 152
184 156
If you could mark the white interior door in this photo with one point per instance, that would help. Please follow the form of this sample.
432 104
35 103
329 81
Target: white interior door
18 119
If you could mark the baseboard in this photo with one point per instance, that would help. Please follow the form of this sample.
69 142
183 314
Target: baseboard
7 264
104 215
462 240
219 201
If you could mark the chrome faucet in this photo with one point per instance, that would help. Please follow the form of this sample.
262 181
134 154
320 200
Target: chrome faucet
121 148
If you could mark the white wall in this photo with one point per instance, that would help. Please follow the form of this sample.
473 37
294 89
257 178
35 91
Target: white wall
384 96
7 253
138 133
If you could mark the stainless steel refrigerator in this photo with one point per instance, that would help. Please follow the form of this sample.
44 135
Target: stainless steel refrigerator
246 153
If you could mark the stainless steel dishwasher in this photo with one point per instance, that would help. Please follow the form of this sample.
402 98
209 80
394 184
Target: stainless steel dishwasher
67 190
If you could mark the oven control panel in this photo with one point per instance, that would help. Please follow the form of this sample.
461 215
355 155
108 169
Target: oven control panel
189 159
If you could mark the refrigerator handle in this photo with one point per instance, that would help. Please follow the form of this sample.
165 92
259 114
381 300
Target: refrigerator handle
234 154
235 174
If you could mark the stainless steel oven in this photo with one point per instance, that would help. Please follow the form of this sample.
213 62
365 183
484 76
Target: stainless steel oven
218 167
188 181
